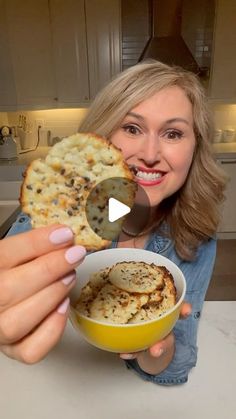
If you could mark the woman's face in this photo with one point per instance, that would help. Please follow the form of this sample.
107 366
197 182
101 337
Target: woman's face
157 140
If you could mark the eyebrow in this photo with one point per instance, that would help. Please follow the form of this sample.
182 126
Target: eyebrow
169 121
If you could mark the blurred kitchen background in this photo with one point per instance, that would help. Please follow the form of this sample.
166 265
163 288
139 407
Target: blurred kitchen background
56 55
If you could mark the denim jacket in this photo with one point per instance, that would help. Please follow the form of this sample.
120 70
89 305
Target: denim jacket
198 274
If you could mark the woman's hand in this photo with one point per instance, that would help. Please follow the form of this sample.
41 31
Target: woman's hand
158 357
37 271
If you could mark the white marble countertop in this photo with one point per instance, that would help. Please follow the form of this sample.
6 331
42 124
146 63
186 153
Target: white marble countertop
77 381
225 150
26 157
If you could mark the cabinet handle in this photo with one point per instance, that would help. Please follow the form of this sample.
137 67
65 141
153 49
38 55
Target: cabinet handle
228 161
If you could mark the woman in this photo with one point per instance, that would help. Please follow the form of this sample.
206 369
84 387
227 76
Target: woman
157 115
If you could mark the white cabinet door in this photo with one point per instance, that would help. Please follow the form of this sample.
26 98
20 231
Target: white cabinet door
223 79
228 224
7 85
31 52
69 51
104 43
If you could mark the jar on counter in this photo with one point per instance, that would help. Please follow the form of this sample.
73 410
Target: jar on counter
218 136
229 135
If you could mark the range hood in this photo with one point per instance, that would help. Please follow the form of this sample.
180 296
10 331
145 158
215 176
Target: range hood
166 43
170 50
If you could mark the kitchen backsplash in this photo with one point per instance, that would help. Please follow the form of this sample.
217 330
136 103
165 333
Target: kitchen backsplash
225 116
58 123
54 123
3 118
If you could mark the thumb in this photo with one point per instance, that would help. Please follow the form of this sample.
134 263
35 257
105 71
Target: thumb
162 346
186 310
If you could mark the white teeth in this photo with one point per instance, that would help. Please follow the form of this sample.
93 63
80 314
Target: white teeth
148 175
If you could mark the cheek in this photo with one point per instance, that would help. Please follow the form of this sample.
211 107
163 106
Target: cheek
181 160
116 140
123 144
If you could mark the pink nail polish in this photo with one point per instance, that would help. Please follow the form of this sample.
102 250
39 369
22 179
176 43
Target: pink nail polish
61 235
69 278
160 352
62 309
75 254
127 356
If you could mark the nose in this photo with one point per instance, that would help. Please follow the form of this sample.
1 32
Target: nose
150 150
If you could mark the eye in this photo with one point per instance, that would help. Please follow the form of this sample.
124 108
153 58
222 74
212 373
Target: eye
173 135
131 129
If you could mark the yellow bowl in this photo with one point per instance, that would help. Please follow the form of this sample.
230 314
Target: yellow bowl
127 337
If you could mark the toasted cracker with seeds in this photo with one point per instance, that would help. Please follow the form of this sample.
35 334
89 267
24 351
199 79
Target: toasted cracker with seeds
56 189
114 305
91 290
159 301
105 301
155 297
139 277
140 316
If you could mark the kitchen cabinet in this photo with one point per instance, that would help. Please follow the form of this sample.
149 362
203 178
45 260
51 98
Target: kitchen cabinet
223 69
30 46
59 53
104 44
7 88
68 28
228 223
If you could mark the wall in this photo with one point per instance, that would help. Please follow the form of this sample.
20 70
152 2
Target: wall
224 115
3 118
197 29
135 30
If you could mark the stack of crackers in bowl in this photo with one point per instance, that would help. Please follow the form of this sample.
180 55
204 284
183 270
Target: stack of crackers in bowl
128 292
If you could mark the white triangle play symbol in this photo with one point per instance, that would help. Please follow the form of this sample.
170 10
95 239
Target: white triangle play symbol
116 209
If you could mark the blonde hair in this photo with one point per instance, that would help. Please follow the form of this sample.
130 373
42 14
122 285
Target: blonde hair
192 213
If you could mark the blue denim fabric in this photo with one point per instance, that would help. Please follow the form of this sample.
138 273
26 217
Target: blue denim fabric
198 274
21 225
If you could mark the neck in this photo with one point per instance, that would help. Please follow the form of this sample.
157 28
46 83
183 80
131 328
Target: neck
138 223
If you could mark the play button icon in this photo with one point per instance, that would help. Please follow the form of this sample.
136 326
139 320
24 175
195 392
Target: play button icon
112 202
116 209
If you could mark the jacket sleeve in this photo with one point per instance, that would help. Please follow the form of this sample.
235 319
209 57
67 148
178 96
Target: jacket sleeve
21 225
198 274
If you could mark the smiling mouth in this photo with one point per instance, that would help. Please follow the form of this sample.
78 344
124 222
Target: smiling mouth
146 174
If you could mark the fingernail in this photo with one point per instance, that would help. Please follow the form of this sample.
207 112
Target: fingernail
160 352
75 254
62 309
127 356
61 235
69 278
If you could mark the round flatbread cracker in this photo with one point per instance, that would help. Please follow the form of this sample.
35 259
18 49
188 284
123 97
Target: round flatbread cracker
56 189
137 277
160 301
91 290
114 305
